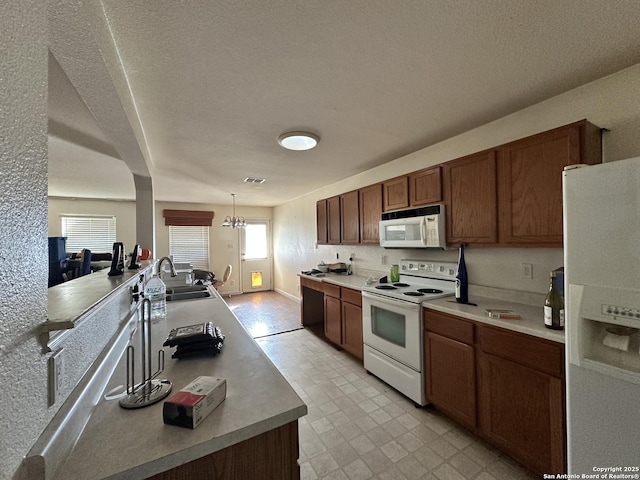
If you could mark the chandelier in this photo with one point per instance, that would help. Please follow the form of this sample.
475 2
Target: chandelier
234 222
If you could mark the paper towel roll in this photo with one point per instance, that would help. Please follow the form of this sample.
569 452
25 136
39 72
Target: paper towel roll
619 342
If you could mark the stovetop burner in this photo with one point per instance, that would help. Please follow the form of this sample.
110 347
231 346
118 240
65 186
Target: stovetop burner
400 284
413 294
385 287
429 290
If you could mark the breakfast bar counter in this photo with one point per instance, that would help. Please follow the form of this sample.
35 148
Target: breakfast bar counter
254 427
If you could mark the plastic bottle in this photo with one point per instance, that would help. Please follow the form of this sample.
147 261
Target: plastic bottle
156 292
554 306
462 281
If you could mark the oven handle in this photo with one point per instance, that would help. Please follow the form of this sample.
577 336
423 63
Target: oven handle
392 301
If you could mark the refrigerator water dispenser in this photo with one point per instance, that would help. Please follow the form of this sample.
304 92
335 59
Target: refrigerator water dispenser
605 330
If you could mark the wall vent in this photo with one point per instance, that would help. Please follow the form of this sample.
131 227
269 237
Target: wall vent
254 180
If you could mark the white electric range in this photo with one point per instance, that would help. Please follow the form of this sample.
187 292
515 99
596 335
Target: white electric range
392 323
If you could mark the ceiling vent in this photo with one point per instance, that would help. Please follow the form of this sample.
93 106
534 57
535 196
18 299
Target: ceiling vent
254 180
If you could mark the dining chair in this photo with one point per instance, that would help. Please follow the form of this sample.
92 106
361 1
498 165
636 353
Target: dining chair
85 268
225 277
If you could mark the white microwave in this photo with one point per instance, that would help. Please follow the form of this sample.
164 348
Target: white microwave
422 227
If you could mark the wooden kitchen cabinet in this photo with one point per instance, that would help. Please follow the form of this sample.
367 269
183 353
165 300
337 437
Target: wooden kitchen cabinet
352 322
350 218
332 313
521 397
333 220
395 193
343 318
321 222
425 186
370 214
530 181
450 366
471 199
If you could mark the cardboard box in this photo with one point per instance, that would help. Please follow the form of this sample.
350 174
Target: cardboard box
189 407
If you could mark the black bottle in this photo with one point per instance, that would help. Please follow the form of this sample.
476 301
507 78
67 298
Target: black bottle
462 281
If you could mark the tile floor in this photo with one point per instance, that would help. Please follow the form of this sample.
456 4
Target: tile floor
360 428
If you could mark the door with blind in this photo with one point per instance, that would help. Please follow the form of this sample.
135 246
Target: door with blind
256 256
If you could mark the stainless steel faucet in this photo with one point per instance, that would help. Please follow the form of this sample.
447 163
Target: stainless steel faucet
173 269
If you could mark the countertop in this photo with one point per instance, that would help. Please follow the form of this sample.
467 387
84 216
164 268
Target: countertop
531 323
70 301
128 444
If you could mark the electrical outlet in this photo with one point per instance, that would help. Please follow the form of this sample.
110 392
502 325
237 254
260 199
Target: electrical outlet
527 271
56 373
383 259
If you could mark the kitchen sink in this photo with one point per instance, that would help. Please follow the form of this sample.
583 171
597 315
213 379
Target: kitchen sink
187 292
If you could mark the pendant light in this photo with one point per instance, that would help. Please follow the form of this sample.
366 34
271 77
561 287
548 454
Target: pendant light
234 222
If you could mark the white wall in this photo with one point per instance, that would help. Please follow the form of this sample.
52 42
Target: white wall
23 236
611 103
124 211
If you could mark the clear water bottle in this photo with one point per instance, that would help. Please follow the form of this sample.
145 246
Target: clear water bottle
156 292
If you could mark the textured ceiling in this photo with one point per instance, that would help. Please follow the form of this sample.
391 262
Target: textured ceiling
207 86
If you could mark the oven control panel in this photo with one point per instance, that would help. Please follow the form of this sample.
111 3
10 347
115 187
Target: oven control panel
427 268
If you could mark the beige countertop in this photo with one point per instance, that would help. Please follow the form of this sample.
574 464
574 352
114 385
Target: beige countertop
129 444
531 323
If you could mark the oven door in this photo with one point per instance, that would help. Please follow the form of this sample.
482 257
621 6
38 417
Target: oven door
393 327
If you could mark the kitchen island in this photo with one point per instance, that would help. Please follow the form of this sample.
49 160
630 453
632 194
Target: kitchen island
252 434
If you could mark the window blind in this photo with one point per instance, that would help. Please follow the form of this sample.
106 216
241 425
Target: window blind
190 244
96 233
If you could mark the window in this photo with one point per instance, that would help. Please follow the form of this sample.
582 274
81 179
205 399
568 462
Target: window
190 245
96 233
256 242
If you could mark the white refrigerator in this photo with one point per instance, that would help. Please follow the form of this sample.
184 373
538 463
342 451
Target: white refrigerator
601 206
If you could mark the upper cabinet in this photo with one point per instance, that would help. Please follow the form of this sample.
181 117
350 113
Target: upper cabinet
508 196
471 199
333 220
395 193
530 181
350 218
425 187
370 213
321 222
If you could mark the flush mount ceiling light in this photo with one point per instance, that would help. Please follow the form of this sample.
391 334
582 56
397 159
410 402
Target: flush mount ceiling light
234 222
298 140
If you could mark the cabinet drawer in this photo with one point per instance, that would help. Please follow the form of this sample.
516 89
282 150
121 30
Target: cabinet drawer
312 284
352 296
448 326
331 290
539 354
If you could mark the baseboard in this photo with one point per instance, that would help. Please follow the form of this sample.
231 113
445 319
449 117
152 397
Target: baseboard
288 295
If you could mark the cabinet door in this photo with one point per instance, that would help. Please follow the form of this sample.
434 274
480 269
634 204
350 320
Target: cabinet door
530 186
350 218
425 187
470 192
333 220
332 319
321 222
451 377
352 329
395 193
370 214
521 412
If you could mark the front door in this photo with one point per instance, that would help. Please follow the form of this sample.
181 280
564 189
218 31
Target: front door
256 257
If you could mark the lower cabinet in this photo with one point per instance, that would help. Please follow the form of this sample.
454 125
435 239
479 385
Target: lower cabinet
450 366
343 318
521 397
505 386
